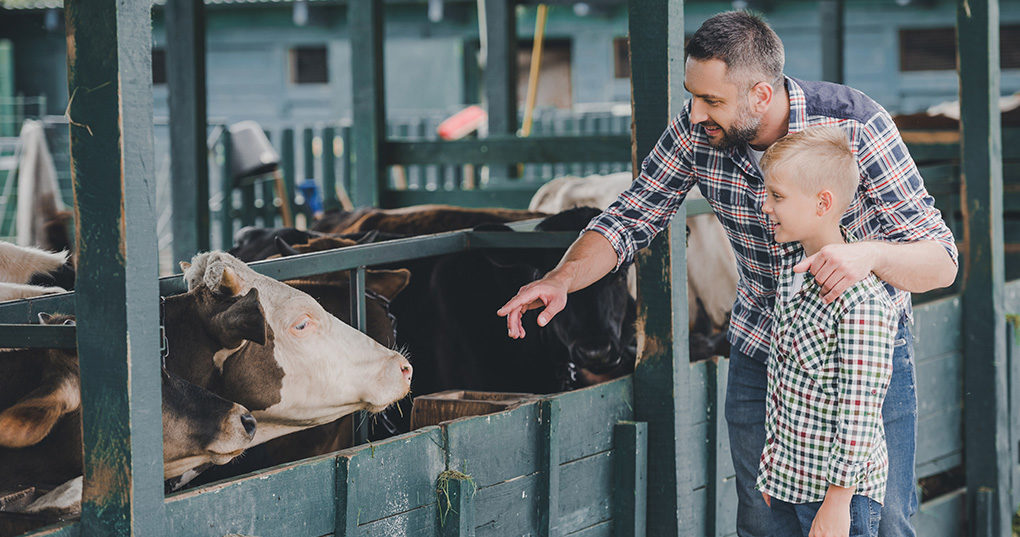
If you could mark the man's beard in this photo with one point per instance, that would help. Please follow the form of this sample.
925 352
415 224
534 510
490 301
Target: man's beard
743 130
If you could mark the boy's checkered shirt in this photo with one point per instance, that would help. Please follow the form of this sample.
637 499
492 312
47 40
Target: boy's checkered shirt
828 373
891 205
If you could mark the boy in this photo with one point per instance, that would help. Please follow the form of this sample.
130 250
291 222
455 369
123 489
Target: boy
824 467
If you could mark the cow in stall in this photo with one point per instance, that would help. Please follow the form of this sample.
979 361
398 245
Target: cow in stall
711 266
417 219
19 265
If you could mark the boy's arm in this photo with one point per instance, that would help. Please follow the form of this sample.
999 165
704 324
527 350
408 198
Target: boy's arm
866 335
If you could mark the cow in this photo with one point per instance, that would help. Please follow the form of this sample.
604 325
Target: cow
20 265
412 220
312 369
711 266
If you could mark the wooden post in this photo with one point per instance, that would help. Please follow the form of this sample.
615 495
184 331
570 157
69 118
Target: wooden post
359 320
287 167
227 188
268 194
500 74
986 424
189 157
369 128
661 376
117 295
550 464
830 15
719 517
347 512
7 86
329 196
630 478
457 518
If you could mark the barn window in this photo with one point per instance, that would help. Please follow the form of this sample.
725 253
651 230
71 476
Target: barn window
308 65
934 49
621 57
158 66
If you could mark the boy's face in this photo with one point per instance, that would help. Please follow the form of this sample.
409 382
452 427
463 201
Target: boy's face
794 211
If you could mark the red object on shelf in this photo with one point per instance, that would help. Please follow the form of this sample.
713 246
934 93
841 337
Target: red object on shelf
462 123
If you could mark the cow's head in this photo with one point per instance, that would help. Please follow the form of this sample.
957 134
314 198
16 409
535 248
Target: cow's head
313 368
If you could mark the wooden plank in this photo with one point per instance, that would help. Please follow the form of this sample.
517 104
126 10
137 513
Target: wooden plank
661 386
1011 298
986 424
586 491
500 74
330 200
939 384
508 508
287 167
830 16
592 412
934 152
510 149
7 83
189 158
295 499
420 521
227 189
698 382
933 329
1013 382
600 529
944 516
456 509
37 336
630 479
549 466
515 433
939 435
718 439
110 81
369 128
937 466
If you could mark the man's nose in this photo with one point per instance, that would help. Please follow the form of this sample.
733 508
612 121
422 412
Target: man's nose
698 114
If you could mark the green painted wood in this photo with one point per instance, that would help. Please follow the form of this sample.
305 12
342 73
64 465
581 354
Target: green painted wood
62 529
1011 298
347 514
943 516
830 16
592 413
549 466
938 466
456 509
248 209
293 499
227 189
1013 381
938 328
509 199
359 321
986 424
515 433
508 508
369 128
37 336
420 521
500 76
308 152
189 160
510 149
661 386
599 529
939 436
939 383
630 478
718 439
7 83
586 492
951 152
345 157
287 166
109 77
329 198
27 311
267 192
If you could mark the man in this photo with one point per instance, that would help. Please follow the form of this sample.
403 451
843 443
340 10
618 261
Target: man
741 104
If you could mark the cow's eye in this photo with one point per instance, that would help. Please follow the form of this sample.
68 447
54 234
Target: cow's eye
302 326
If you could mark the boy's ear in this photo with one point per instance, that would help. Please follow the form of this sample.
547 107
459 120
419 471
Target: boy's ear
825 202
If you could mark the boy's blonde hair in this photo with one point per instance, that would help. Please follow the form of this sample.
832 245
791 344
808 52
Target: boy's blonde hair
819 158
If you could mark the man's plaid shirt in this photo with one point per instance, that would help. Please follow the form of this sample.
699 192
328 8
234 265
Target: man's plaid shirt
828 372
891 204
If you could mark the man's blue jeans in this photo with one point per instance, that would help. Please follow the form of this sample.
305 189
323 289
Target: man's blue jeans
745 418
790 520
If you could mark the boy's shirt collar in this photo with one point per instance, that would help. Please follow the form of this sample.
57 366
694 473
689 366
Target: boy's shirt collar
793 253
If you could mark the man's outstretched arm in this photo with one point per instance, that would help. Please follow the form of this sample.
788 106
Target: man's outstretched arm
586 261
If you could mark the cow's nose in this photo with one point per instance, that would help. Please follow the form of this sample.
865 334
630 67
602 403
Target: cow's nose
248 422
407 371
594 355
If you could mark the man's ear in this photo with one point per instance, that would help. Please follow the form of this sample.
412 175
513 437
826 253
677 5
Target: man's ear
825 202
760 97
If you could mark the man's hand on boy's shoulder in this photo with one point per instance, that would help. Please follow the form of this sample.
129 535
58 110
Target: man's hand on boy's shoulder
837 267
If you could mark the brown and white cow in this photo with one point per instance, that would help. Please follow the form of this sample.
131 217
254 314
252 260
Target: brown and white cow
312 368
412 220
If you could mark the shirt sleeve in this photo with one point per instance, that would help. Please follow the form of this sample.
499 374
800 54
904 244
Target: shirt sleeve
866 336
644 209
895 186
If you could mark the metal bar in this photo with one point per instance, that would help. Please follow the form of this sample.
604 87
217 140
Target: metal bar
830 15
986 423
248 208
500 76
287 166
117 302
7 128
308 151
345 159
630 476
268 188
329 197
509 149
37 336
661 376
368 90
359 321
189 157
550 469
227 189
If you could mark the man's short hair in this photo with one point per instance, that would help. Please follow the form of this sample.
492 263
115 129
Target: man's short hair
746 43
820 158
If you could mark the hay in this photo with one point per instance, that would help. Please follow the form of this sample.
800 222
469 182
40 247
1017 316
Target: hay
443 491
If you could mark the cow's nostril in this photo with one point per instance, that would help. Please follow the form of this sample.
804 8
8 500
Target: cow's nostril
248 422
407 370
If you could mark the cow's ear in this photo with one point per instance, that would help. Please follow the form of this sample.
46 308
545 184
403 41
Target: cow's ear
388 283
283 248
44 318
243 320
31 419
185 266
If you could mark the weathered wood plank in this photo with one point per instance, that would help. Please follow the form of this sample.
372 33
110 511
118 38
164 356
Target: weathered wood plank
37 336
515 433
586 488
718 439
939 384
1011 297
295 499
944 516
937 466
508 508
630 479
369 127
421 521
938 328
456 509
601 529
591 413
62 529
510 149
500 74
549 465
939 435
110 111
